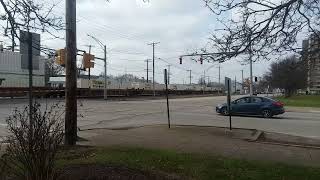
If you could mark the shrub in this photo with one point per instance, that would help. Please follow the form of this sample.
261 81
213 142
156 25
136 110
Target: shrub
32 145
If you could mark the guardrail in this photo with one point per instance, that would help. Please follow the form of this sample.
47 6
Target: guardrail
60 92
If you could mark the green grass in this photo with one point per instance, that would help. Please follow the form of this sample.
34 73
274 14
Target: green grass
301 101
195 166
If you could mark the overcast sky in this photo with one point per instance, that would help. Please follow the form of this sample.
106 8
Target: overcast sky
127 26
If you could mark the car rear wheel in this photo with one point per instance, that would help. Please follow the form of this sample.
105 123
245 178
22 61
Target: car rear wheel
224 112
267 113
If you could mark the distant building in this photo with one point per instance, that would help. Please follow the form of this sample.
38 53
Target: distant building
13 72
311 54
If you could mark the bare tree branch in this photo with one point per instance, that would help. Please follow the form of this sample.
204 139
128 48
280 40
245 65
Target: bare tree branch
263 28
29 16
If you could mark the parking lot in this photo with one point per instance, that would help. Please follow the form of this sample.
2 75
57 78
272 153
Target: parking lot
188 111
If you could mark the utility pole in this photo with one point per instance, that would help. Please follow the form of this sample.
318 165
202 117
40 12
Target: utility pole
148 60
169 73
251 76
235 85
153 69
71 74
30 67
190 76
219 73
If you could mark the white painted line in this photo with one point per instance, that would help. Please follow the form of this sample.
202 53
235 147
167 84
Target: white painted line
314 111
4 125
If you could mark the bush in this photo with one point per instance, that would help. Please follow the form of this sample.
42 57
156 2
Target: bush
32 145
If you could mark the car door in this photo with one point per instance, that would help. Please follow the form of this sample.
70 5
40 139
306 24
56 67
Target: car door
241 106
255 106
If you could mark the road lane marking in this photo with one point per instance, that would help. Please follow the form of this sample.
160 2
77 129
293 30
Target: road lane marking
4 125
314 111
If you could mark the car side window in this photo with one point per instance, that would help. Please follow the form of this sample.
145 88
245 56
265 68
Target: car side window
256 100
243 100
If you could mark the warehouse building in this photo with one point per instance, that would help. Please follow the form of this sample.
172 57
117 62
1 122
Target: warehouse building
14 71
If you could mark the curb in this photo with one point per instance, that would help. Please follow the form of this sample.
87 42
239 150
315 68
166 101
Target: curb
289 139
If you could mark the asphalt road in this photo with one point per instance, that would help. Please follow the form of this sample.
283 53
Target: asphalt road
189 111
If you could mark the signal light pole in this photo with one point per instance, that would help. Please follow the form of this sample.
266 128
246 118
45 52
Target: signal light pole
105 92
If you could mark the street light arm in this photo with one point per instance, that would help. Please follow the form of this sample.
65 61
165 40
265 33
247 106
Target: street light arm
97 40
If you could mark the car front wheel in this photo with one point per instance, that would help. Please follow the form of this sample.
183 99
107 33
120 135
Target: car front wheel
267 113
224 112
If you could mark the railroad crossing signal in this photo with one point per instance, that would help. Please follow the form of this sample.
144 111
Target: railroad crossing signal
87 60
60 57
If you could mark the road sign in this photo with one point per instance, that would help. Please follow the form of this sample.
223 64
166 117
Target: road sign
167 95
24 37
228 87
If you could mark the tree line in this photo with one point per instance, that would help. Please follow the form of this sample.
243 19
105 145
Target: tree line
289 74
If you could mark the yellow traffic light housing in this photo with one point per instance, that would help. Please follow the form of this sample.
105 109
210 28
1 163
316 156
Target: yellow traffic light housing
60 57
87 60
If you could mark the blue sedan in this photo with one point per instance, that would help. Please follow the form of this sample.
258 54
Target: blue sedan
253 105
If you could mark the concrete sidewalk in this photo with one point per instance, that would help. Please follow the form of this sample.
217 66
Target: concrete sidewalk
302 109
206 140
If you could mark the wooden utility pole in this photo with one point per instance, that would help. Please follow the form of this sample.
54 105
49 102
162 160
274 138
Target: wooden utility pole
153 66
148 60
30 67
71 74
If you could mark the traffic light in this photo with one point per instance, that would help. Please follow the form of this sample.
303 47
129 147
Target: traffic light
256 79
201 60
87 60
180 60
60 57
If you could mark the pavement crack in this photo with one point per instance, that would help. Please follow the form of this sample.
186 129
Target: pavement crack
131 116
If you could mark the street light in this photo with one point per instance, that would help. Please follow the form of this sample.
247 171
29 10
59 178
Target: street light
104 47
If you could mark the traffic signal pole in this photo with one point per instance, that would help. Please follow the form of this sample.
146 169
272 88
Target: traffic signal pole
105 91
251 76
89 73
71 74
105 94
